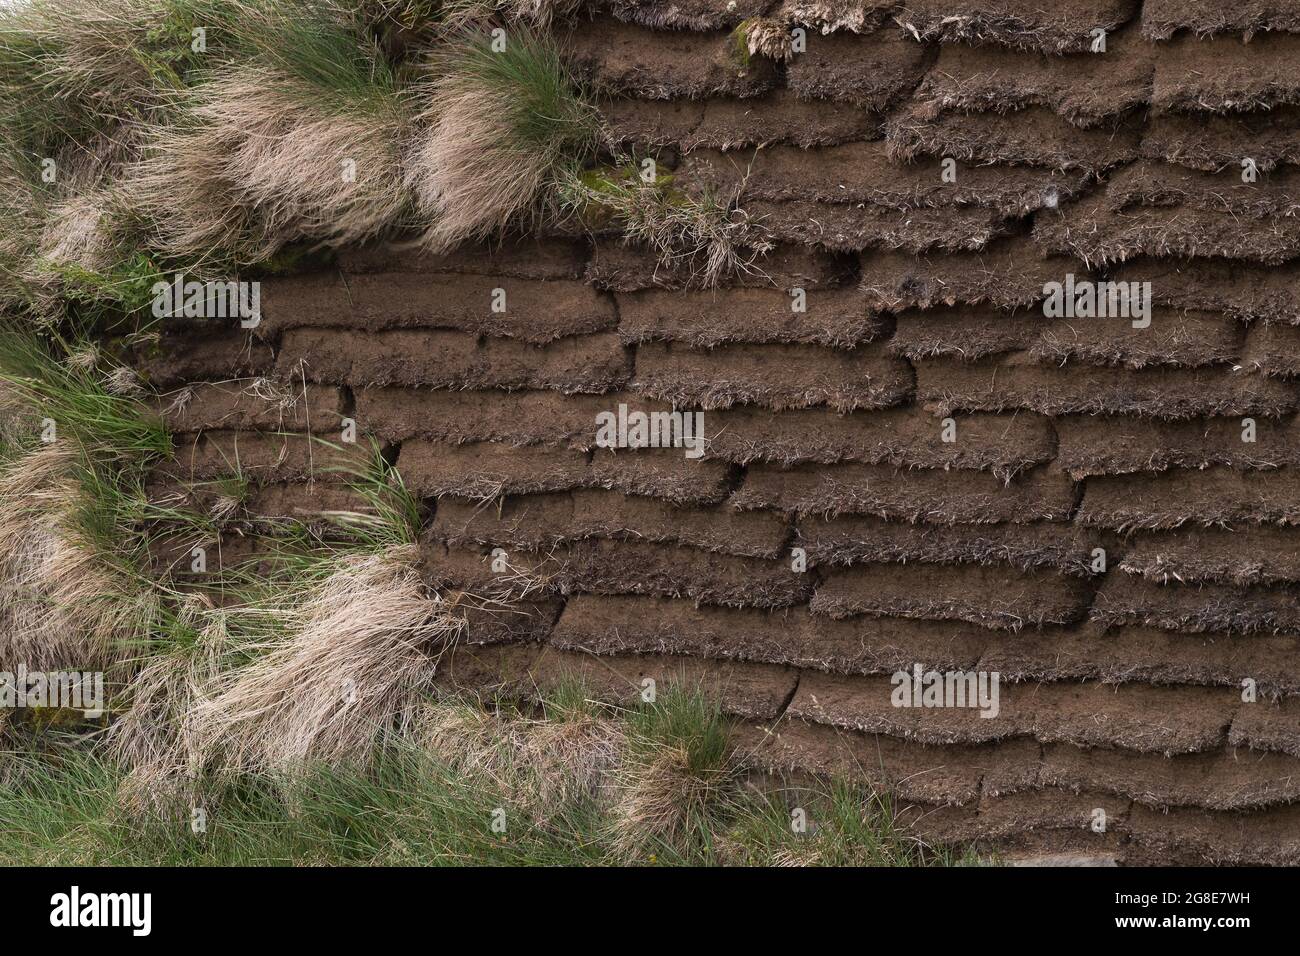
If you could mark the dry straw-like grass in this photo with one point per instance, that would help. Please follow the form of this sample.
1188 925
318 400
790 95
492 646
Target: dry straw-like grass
63 606
22 218
351 660
91 62
500 127
78 234
458 14
265 158
152 735
312 120
766 36
677 777
542 764
704 237
831 16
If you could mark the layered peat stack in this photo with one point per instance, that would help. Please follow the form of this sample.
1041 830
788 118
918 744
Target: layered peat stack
922 445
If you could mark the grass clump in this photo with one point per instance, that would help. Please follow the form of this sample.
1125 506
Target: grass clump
764 36
72 593
23 209
672 783
81 395
71 69
705 236
303 140
204 136
309 653
200 134
502 126
507 783
458 14
840 823
344 661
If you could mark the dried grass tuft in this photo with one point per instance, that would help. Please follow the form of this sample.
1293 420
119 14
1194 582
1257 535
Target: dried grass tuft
62 605
22 217
350 661
659 802
769 37
75 235
298 122
266 158
833 16
500 128
704 237
459 14
677 777
543 765
72 68
153 736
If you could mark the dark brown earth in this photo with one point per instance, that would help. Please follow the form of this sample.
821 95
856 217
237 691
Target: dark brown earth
919 467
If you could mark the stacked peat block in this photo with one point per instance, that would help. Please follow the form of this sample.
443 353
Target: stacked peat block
924 465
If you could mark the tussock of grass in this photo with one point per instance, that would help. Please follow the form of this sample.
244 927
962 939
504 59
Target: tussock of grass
766 36
76 234
675 779
544 764
152 737
353 658
704 236
73 68
310 653
66 242
79 82
23 210
74 395
69 595
458 14
303 142
550 777
62 606
501 127
310 120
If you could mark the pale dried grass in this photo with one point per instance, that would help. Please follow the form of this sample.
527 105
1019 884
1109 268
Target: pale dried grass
79 231
95 51
63 606
831 16
662 801
499 129
352 661
765 36
459 14
264 160
703 237
542 765
153 735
